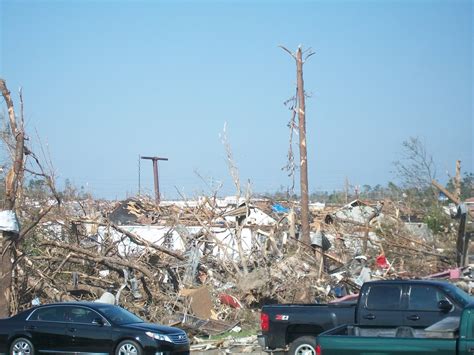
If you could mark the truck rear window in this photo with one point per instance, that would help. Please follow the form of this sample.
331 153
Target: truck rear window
384 297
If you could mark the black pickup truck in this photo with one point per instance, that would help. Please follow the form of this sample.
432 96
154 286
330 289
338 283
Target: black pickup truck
391 303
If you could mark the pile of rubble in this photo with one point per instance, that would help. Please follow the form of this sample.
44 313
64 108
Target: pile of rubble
209 265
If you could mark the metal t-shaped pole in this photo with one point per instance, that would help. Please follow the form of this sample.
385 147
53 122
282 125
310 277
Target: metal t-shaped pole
155 174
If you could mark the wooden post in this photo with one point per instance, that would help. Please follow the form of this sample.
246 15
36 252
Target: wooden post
457 180
463 237
448 194
366 239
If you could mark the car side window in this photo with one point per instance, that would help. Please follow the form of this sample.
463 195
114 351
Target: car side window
81 315
49 314
424 298
384 297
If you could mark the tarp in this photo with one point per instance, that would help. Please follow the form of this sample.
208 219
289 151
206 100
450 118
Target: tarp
280 209
9 222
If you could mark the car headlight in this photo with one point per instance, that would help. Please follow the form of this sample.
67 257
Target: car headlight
158 336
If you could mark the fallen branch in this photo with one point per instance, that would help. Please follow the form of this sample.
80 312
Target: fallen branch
105 260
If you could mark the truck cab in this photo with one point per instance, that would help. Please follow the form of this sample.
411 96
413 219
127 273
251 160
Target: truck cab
417 303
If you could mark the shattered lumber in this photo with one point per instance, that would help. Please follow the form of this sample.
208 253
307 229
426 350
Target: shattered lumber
140 241
112 262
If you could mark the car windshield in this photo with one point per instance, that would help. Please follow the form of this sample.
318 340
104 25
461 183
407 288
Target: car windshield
119 315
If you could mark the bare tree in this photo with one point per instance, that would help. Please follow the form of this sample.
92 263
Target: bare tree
12 184
416 169
234 172
14 139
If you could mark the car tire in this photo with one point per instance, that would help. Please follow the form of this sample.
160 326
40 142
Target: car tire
22 346
128 347
303 345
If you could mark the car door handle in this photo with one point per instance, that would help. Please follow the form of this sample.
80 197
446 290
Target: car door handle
413 317
30 327
369 317
72 330
471 350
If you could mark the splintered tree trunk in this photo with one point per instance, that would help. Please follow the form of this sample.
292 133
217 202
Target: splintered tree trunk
301 110
303 150
12 183
6 268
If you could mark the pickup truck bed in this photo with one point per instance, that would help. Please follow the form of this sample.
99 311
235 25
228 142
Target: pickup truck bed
383 345
450 336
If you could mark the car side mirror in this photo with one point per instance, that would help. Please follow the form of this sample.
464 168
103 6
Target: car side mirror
98 321
445 306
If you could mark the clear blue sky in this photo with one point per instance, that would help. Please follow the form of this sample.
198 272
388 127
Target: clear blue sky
105 81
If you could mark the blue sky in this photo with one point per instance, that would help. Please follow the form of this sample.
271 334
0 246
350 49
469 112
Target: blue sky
106 81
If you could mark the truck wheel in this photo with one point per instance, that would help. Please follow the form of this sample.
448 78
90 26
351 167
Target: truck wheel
303 346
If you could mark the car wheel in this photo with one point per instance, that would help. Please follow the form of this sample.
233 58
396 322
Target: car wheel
128 347
22 346
303 346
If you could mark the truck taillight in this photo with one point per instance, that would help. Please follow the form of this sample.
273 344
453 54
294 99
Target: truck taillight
264 322
318 350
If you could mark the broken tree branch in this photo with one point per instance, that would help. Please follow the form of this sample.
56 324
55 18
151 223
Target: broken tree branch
105 260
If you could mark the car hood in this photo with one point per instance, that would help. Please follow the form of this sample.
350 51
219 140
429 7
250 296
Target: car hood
150 327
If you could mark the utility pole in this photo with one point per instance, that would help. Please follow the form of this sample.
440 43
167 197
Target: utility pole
301 110
155 175
457 180
139 176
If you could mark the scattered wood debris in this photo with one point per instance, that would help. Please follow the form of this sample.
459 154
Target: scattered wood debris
183 263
